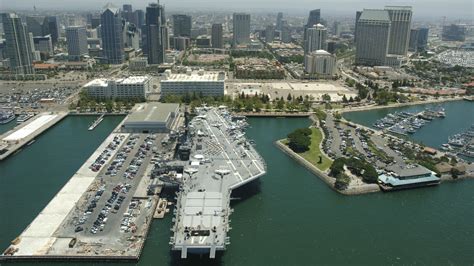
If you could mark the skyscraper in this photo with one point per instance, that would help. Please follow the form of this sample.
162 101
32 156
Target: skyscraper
279 24
155 46
316 38
76 38
358 13
51 27
127 13
423 39
35 25
112 34
269 33
320 63
454 33
413 44
182 25
400 25
241 23
314 18
373 34
127 8
217 40
18 45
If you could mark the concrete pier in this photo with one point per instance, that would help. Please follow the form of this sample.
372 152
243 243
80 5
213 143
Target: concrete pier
15 139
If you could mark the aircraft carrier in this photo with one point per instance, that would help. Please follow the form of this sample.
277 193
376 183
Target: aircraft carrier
218 158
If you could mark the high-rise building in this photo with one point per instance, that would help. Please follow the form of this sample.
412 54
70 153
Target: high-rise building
314 18
320 63
217 39
279 24
358 13
139 17
413 44
316 39
400 25
127 13
269 33
182 25
51 27
76 37
423 39
373 34
131 36
18 45
155 47
44 45
454 33
241 23
127 8
35 25
112 35
285 34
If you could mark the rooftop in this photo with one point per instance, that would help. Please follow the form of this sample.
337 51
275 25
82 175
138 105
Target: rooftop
151 112
409 171
102 82
194 76
375 14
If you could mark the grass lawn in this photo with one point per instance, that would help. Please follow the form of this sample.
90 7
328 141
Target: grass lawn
312 155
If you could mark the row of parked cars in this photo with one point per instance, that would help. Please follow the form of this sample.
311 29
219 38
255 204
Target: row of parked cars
122 155
128 218
90 208
139 156
102 158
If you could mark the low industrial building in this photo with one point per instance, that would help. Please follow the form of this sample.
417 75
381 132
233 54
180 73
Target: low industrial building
200 82
135 87
151 118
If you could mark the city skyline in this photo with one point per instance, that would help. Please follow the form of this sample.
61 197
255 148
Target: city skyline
457 9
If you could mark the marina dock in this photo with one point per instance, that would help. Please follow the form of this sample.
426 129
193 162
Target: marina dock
25 134
96 122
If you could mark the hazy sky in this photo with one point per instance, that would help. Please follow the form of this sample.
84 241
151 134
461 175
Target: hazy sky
422 8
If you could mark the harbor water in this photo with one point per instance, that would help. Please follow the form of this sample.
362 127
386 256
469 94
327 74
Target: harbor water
288 217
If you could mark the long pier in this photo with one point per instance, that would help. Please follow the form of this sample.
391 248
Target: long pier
274 114
25 133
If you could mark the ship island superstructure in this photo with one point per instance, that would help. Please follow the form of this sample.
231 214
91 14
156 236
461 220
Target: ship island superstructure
220 160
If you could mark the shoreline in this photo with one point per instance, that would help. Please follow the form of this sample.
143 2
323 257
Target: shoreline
350 191
396 105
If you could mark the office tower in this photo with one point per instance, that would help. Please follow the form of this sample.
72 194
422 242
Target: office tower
413 44
358 13
181 25
18 46
279 24
95 21
138 18
423 39
241 23
316 39
269 33
131 36
320 63
314 18
373 33
51 27
112 34
35 25
217 39
400 25
127 8
336 28
76 37
127 13
285 33
181 43
454 33
44 45
154 33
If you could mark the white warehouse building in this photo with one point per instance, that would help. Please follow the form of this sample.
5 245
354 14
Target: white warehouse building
320 63
135 87
203 83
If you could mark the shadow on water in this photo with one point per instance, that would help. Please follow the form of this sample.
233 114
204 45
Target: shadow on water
195 259
246 192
